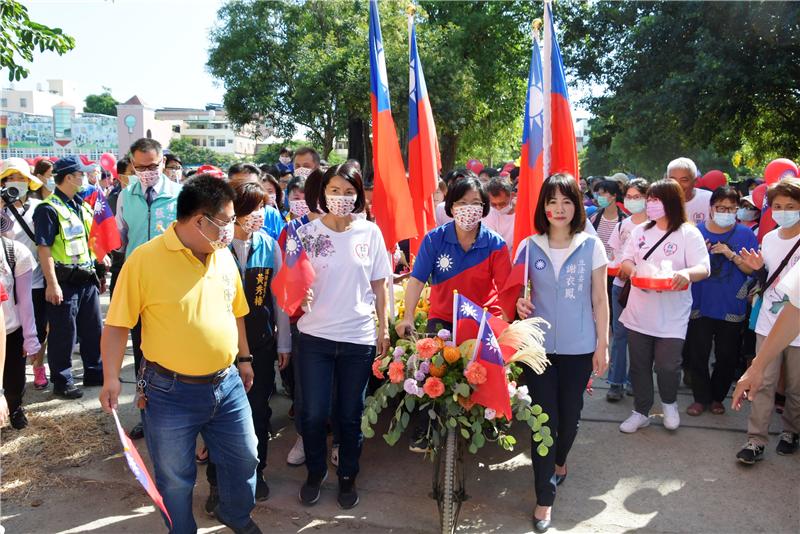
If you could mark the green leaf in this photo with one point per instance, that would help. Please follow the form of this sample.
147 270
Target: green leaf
462 389
542 450
543 418
410 401
547 441
478 439
536 409
473 449
544 431
451 422
373 417
404 419
537 437
368 432
465 433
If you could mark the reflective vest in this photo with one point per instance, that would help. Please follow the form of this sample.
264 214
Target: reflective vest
71 245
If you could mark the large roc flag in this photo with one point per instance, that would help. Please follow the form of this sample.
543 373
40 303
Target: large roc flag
391 200
423 147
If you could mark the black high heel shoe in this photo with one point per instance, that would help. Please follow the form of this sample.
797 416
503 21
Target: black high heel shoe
560 479
540 525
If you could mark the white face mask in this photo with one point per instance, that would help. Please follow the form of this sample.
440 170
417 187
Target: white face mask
786 218
505 210
253 222
285 160
272 198
467 217
340 205
298 208
225 235
22 187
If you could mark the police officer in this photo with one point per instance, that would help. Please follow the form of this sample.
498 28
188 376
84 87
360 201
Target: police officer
63 222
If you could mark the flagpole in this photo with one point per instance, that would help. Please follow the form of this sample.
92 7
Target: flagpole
391 289
480 336
455 315
547 86
527 290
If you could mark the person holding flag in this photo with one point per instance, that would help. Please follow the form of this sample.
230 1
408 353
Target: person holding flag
567 269
337 334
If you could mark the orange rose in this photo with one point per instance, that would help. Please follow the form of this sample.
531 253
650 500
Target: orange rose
475 373
451 354
466 402
376 369
440 342
433 387
438 370
397 372
426 348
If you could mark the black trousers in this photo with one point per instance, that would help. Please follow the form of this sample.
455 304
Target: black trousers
14 370
559 391
727 340
258 396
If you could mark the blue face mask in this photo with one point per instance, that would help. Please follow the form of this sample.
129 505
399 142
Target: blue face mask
603 202
635 205
724 219
786 218
745 214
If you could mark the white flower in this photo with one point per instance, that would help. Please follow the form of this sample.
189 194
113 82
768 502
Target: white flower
489 414
523 395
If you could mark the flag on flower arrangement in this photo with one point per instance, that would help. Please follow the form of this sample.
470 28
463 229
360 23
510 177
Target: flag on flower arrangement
531 173
296 276
391 199
560 146
104 234
139 470
516 281
467 318
493 393
423 147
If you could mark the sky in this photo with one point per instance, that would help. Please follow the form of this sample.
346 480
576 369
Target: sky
154 49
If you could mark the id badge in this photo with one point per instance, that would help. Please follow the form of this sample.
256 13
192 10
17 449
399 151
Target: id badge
73 231
75 247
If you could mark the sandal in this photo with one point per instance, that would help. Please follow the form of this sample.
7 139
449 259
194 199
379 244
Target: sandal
202 456
717 408
695 409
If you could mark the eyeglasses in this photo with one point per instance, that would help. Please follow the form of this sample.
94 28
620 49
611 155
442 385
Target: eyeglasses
637 197
171 168
213 220
724 209
461 204
153 167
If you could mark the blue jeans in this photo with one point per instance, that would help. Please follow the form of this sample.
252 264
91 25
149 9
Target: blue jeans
323 364
175 414
78 316
618 373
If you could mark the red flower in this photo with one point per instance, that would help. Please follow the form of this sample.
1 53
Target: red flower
426 348
376 369
475 373
433 387
397 372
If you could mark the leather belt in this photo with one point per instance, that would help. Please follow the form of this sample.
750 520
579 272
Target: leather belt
213 378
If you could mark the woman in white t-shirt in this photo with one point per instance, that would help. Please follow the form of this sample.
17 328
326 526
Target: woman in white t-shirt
337 333
784 199
618 376
657 320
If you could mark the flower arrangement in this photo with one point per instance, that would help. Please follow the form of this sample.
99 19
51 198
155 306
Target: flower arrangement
434 376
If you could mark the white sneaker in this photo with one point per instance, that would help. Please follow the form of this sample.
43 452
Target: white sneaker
297 456
672 418
335 455
634 423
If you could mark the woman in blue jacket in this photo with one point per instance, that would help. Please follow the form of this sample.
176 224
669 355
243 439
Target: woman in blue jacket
567 270
258 257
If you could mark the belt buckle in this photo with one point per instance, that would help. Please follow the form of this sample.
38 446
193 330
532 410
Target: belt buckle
219 377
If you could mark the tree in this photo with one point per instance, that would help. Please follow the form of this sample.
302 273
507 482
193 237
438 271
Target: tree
198 155
20 36
708 80
103 103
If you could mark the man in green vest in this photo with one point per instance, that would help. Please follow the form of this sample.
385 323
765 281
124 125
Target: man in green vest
63 222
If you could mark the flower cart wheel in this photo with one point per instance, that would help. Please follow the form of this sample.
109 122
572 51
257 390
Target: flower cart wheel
448 487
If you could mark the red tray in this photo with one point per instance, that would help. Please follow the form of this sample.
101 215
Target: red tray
656 284
613 271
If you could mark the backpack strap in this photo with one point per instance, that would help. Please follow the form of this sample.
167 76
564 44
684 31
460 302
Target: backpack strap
8 249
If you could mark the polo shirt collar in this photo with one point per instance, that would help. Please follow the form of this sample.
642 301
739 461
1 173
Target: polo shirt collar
171 239
63 196
481 241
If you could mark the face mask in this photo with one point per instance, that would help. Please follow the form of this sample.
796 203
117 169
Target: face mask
724 219
22 187
253 222
467 217
505 210
272 199
746 214
603 202
148 178
298 208
225 235
174 174
51 184
340 205
786 218
302 172
285 159
655 210
635 205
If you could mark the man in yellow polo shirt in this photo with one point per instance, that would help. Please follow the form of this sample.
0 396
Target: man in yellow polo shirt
186 287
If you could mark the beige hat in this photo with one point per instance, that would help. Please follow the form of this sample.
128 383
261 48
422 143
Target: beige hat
620 177
19 165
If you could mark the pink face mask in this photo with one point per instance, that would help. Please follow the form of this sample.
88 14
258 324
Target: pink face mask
467 217
340 205
253 222
655 210
148 178
298 208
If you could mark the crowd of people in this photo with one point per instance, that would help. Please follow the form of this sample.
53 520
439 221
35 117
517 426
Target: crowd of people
191 285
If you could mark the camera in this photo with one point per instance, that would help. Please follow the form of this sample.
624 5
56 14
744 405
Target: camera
9 194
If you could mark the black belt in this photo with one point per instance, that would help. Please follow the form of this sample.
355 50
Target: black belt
213 378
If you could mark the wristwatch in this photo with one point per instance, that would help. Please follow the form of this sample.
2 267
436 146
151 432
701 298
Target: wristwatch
245 359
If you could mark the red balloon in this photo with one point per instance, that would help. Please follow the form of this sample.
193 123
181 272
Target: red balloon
475 166
758 194
85 159
30 162
37 159
109 163
713 179
780 168
53 158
